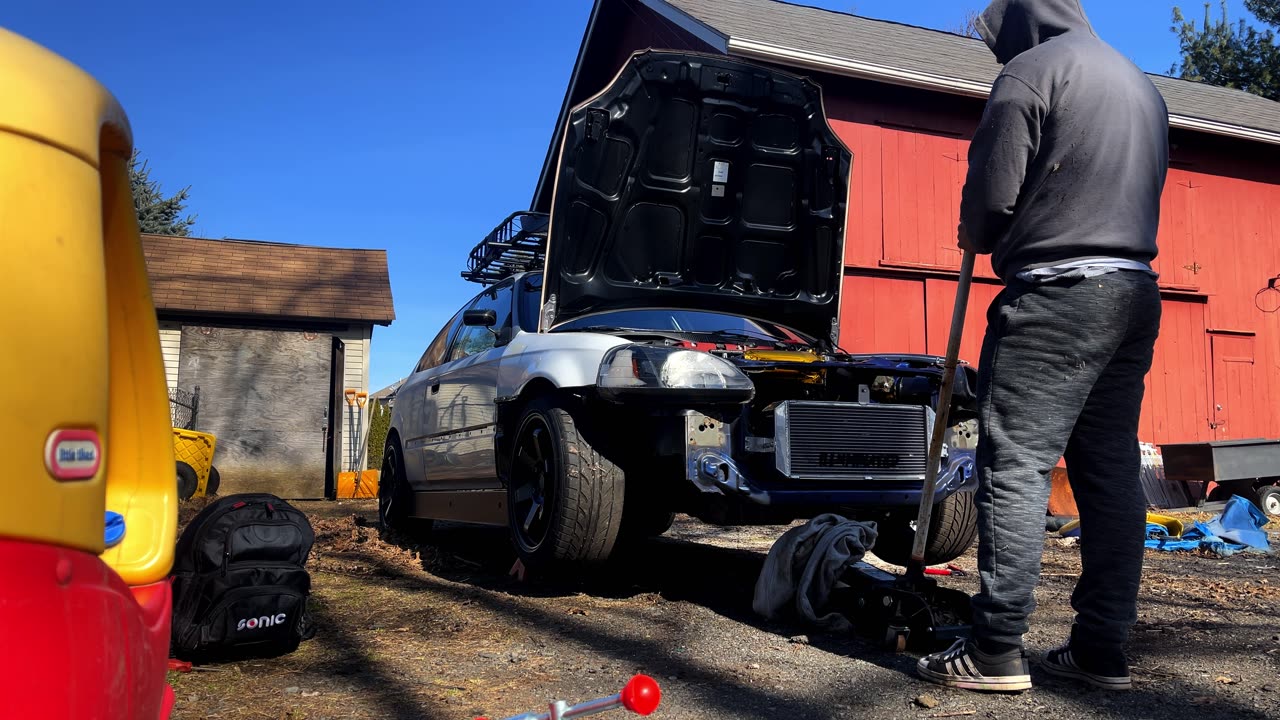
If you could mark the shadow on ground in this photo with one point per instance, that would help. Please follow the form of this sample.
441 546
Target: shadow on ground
722 580
483 585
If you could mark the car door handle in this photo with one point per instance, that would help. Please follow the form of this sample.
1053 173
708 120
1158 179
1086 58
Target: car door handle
435 388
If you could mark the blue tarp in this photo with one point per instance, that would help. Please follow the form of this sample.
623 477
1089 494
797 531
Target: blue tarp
1237 529
1241 522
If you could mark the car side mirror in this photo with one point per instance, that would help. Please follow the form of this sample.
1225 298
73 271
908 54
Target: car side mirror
480 318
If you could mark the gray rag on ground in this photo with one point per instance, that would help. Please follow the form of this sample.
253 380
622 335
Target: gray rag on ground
805 563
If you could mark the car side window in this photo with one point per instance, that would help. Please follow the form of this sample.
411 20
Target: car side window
475 339
530 303
435 351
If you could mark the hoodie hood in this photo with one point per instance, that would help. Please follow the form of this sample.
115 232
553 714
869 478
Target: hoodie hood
1012 27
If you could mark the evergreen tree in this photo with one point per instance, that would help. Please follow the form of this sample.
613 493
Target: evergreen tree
1232 55
156 213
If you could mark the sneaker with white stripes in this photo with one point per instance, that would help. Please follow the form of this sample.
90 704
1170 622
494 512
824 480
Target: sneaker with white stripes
1112 674
966 667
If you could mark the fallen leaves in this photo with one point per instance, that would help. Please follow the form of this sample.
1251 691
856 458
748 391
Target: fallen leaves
433 626
927 702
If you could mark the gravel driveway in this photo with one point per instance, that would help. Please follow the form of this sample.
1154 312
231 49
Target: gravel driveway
440 630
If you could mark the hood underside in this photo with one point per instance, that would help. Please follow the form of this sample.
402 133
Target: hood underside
705 183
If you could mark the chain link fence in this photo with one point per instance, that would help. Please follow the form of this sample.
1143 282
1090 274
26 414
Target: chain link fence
184 406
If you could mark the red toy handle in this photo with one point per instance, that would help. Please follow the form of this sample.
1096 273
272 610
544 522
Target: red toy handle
641 695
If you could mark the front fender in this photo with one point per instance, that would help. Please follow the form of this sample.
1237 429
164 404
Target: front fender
566 360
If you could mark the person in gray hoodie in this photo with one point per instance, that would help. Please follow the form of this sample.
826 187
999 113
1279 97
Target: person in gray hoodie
1066 171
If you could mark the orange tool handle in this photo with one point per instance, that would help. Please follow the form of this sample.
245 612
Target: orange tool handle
362 398
351 396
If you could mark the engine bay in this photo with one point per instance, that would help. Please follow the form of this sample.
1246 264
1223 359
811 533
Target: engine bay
782 371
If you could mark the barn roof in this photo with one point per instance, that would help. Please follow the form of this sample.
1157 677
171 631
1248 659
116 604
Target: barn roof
826 41
265 279
800 36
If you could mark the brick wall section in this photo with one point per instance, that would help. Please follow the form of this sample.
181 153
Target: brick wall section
241 277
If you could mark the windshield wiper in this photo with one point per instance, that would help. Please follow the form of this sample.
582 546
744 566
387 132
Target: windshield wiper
604 329
748 336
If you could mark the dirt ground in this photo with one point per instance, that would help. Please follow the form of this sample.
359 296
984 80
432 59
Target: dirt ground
440 630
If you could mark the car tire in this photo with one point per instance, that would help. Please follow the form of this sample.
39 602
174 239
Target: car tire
188 481
645 523
953 529
564 498
657 523
215 480
1269 500
395 498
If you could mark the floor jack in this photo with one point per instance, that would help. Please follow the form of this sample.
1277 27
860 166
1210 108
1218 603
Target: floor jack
911 610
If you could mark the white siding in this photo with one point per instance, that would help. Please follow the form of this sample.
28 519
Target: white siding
171 347
355 375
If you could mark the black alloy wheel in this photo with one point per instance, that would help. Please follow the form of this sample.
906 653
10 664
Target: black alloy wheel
395 498
533 484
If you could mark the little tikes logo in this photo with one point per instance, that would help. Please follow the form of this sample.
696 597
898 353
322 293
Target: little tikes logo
72 454
265 621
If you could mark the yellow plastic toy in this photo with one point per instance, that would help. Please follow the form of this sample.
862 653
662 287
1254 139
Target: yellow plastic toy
195 450
84 610
1173 525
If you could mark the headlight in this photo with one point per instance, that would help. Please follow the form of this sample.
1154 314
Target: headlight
646 370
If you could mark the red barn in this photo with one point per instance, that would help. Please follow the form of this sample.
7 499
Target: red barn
906 100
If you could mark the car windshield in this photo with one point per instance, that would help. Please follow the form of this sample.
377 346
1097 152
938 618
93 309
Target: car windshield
683 321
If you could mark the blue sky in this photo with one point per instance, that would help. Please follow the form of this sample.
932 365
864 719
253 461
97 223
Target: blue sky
413 126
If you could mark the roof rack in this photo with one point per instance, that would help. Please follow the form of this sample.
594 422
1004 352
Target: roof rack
518 244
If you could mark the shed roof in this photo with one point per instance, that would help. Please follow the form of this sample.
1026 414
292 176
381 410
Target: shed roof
265 279
388 392
798 35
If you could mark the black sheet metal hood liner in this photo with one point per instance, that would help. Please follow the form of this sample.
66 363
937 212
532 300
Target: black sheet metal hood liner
700 182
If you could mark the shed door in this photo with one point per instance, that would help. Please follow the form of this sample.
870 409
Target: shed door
1233 386
264 394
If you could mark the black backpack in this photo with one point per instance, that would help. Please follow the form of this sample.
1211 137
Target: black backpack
240 585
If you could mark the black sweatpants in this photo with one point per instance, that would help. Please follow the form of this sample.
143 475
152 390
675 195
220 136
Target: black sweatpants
1062 373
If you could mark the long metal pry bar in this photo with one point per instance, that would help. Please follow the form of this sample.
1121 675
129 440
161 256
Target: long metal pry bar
916 568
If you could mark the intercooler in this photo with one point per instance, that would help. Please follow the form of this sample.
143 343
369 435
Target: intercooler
848 441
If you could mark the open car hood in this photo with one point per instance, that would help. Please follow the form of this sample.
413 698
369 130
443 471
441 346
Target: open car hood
700 182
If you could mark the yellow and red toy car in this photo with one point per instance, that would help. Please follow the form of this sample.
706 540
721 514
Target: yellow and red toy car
89 515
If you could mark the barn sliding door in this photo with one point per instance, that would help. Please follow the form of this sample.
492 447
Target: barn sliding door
265 395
